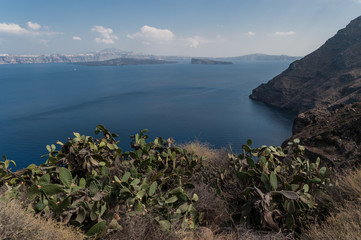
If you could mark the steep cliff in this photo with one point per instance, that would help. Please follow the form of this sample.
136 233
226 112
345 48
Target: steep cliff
331 75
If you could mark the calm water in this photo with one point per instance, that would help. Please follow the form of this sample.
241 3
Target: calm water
43 103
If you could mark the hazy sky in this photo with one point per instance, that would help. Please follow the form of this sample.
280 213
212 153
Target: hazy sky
172 27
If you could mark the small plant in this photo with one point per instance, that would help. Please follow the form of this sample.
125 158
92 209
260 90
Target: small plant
5 172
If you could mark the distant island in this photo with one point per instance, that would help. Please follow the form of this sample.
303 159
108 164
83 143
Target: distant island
208 61
125 61
113 53
261 57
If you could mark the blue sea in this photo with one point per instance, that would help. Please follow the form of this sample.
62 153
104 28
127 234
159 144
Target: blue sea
43 103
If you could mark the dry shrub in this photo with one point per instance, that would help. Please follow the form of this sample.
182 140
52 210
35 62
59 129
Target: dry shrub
140 227
215 157
214 208
217 164
17 223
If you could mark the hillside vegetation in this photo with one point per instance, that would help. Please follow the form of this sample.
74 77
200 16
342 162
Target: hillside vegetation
159 190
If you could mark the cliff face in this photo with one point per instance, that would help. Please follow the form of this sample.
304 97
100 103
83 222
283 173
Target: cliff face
331 75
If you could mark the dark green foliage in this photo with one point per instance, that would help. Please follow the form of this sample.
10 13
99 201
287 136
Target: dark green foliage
280 186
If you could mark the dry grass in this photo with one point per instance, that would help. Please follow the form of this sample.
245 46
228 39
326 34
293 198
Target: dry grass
243 234
213 156
345 222
17 223
350 184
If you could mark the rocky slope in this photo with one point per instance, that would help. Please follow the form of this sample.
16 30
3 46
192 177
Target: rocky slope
331 75
332 134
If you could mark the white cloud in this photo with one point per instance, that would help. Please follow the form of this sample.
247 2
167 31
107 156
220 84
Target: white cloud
196 41
33 26
76 38
193 42
284 33
149 34
12 28
251 33
107 36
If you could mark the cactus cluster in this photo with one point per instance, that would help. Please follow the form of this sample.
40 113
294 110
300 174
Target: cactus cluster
280 185
92 184
79 184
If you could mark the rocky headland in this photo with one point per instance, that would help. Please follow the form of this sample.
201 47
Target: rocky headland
324 88
329 76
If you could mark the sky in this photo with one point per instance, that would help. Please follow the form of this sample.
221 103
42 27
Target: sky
208 28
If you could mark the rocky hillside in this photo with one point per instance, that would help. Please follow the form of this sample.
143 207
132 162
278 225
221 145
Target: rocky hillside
331 75
332 134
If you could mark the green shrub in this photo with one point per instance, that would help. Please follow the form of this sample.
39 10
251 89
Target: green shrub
279 186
